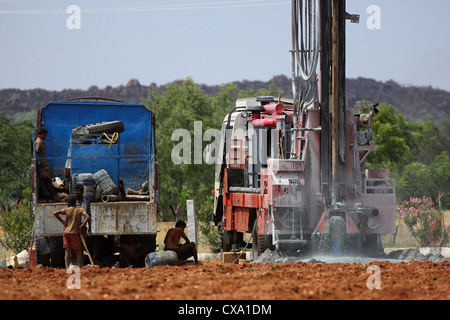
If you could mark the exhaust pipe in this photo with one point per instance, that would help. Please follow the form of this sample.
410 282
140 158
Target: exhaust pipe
368 216
373 220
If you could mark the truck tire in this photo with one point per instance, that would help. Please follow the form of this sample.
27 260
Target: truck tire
255 109
57 254
225 240
41 259
105 127
372 246
261 242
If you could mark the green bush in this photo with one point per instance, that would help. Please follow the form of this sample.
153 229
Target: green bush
425 223
211 236
17 226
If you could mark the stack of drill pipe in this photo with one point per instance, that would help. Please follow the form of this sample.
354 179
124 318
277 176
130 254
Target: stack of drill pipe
111 198
135 197
114 198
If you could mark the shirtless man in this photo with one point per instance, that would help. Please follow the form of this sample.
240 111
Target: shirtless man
183 251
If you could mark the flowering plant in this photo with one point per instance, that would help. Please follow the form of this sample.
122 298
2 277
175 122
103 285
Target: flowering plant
425 223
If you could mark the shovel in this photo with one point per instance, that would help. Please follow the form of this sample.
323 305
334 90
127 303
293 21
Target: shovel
85 246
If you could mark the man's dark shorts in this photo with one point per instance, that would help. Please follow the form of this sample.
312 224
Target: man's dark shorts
185 250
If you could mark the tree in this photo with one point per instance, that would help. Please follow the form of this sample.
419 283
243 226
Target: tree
211 236
433 180
414 181
182 112
430 139
17 225
25 116
439 172
393 136
15 160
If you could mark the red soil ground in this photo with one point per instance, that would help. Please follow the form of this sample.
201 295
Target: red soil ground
214 280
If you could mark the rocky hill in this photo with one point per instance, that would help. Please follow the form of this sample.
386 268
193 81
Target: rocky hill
415 103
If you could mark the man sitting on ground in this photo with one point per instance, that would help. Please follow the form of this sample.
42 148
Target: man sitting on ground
183 251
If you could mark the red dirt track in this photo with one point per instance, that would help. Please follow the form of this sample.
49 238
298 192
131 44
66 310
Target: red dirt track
214 280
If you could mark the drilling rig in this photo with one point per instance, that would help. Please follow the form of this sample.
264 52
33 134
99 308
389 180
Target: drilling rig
290 172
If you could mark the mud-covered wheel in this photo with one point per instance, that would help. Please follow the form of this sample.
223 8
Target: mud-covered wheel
260 243
105 127
57 254
226 239
372 245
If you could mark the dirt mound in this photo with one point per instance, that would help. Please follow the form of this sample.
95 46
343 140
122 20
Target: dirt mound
214 280
415 254
275 257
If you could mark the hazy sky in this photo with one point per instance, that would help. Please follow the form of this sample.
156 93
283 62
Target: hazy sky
212 41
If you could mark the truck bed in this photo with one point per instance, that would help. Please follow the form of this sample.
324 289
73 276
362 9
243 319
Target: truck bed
111 218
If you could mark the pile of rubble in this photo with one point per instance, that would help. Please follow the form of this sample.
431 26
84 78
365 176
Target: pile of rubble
418 254
399 255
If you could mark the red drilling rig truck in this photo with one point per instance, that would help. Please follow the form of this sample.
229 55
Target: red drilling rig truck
290 172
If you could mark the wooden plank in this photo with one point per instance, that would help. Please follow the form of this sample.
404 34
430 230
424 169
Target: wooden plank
230 257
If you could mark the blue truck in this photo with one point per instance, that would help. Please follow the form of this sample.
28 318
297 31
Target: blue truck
96 138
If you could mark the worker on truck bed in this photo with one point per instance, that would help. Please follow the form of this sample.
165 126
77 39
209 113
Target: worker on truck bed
45 184
72 228
83 202
172 239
